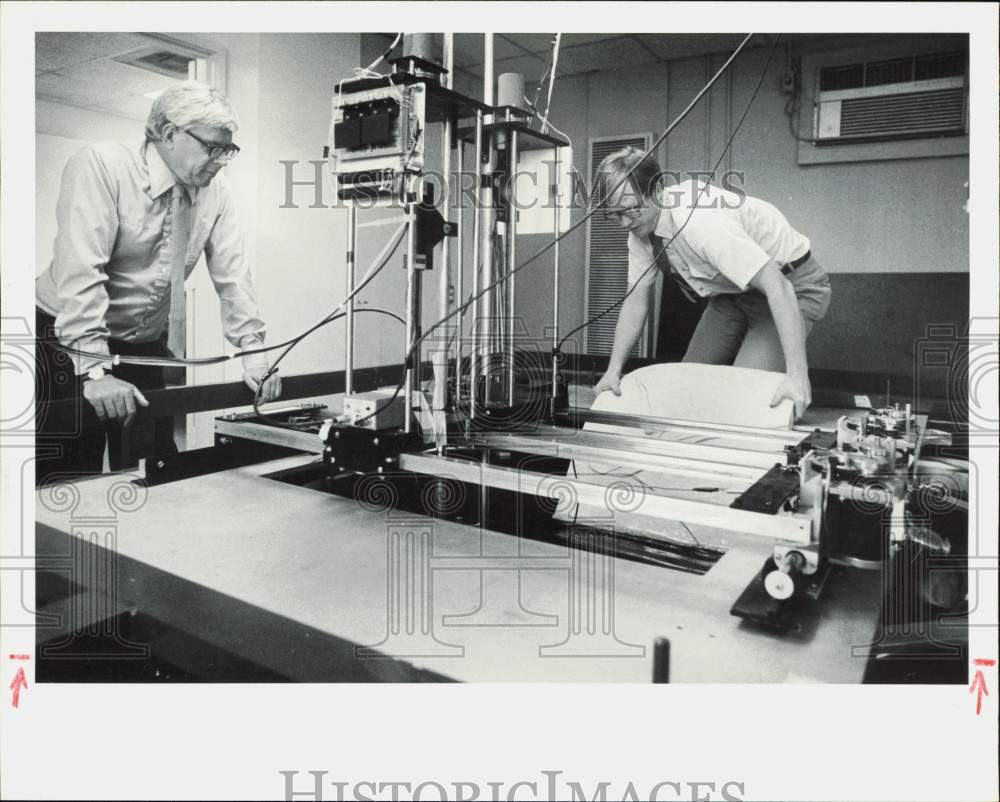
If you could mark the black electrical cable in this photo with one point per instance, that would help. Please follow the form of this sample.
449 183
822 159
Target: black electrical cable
694 206
791 112
601 203
177 361
273 368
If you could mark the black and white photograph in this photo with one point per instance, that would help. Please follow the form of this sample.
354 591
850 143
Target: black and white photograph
409 401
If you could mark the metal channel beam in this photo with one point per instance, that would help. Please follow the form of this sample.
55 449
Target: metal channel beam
676 466
710 456
726 430
789 527
275 435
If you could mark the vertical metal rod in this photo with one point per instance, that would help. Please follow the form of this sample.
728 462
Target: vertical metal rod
488 311
555 278
352 232
412 311
488 70
460 267
440 401
418 330
484 490
511 261
476 212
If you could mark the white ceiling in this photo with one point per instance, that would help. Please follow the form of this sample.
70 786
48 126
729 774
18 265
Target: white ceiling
580 53
80 69
585 52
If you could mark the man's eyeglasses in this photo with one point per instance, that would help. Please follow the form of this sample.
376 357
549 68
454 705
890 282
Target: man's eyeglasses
619 215
216 152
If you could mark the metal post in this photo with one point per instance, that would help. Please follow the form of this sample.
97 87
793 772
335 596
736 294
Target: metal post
412 299
555 279
444 276
488 312
511 261
488 70
352 232
474 353
460 267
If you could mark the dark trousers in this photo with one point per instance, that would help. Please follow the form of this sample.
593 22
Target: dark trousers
67 446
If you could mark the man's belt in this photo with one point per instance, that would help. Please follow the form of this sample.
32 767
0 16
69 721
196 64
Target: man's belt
788 268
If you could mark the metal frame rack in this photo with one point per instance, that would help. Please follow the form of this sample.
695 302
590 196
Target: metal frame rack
498 131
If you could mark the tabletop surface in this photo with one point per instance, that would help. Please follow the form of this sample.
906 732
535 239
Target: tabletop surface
232 554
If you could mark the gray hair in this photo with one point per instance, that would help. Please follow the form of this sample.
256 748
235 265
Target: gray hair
190 103
644 174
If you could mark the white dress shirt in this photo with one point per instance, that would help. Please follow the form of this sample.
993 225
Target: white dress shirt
110 270
725 243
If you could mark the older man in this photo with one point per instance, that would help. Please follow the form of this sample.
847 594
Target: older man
764 288
132 224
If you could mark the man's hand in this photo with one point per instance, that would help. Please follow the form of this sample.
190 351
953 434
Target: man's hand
796 388
255 367
612 381
113 399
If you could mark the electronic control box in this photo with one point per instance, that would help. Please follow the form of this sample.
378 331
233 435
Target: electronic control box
378 139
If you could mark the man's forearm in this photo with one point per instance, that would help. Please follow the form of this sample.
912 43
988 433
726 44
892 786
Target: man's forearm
788 321
630 323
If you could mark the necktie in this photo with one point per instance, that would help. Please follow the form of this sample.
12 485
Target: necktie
660 253
178 226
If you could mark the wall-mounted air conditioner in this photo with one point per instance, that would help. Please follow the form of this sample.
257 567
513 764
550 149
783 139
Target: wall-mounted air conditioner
898 98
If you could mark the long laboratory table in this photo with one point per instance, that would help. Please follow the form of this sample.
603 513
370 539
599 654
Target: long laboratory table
310 586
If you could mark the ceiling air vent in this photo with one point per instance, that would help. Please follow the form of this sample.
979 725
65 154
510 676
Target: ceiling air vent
166 59
162 61
916 96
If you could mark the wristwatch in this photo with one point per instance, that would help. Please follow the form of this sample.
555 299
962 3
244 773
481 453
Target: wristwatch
94 374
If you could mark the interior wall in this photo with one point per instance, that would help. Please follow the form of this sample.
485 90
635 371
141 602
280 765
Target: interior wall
296 252
60 131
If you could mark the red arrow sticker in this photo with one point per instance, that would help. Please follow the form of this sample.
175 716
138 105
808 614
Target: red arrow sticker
978 685
20 681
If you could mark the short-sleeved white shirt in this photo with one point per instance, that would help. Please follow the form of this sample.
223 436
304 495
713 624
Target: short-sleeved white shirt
725 243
